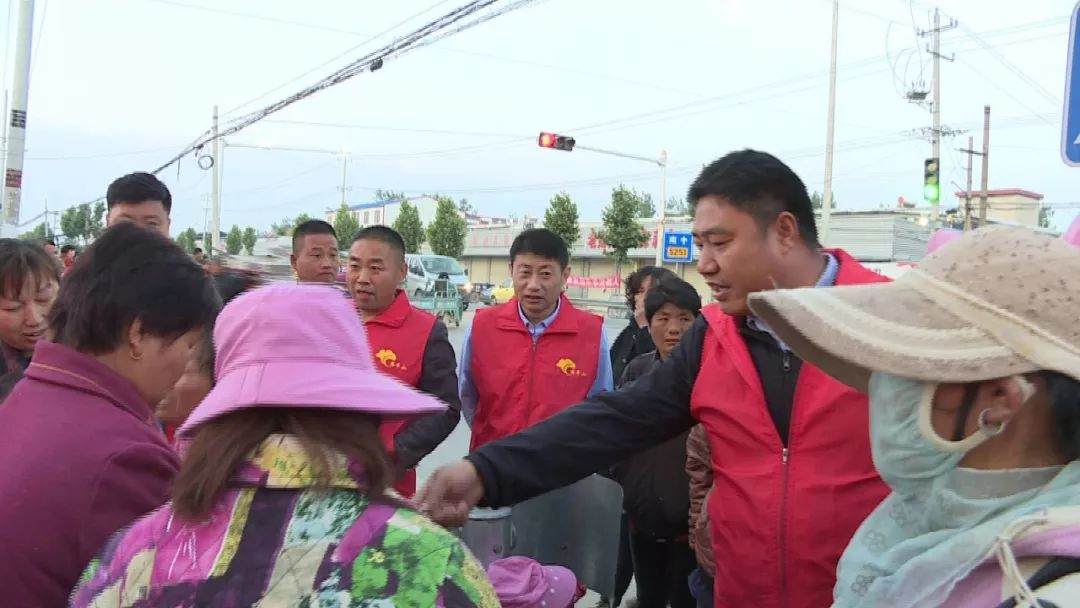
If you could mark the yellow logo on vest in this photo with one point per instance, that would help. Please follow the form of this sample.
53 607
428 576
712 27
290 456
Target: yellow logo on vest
569 368
388 358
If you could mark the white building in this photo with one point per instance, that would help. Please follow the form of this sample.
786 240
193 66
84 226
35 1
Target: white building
385 212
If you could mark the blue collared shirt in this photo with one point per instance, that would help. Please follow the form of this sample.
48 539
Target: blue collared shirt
467 390
827 279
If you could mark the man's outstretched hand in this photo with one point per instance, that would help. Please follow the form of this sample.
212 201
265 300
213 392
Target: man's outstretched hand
450 493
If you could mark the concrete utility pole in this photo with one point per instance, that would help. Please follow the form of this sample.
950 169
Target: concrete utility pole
935 51
985 166
215 188
662 213
344 175
826 207
16 122
971 152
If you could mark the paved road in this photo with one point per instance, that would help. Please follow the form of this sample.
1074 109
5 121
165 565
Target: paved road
457 445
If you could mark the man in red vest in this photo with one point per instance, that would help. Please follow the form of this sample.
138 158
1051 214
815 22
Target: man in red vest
793 477
407 343
532 357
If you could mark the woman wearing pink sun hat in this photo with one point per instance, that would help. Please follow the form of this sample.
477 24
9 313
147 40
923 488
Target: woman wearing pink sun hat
282 497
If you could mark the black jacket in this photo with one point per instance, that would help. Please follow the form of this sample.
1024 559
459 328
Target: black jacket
656 488
438 378
631 342
609 428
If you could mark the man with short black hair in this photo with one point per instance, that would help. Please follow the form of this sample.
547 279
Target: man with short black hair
68 253
790 447
408 343
314 256
530 358
140 198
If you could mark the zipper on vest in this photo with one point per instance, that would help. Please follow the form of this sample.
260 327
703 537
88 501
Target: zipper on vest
784 456
787 366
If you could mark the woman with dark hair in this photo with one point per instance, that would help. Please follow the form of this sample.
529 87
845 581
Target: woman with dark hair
80 452
29 279
972 365
282 496
198 376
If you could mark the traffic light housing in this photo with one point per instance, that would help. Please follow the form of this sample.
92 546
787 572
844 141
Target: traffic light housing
556 142
932 180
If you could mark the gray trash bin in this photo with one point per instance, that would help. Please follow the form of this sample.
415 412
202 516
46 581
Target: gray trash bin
489 534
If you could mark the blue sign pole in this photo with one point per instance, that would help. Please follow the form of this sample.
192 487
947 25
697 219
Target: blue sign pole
1070 128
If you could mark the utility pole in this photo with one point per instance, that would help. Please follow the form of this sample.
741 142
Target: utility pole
662 214
971 152
215 188
935 51
344 175
16 122
826 207
985 166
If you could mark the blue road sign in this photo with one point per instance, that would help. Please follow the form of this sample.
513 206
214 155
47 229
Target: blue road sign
678 247
1070 128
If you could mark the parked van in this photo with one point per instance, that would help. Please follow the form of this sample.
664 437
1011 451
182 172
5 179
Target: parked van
424 270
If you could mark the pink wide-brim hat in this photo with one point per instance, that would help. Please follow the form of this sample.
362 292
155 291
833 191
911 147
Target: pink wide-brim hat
300 346
521 582
1072 235
940 237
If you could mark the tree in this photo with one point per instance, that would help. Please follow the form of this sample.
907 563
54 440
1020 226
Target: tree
70 225
248 239
677 207
389 195
645 206
234 240
1046 217
817 201
83 222
447 232
186 240
408 225
39 233
561 218
96 223
621 231
346 226
282 228
300 219
466 207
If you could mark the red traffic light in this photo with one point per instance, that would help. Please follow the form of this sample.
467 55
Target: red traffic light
556 142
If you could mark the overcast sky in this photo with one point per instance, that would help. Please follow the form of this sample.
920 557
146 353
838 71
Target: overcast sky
121 85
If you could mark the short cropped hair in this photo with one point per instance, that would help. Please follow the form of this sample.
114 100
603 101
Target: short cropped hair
131 273
383 234
672 290
541 242
140 187
310 227
636 279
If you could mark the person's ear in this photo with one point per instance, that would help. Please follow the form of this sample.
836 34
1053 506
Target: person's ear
135 340
785 228
1005 397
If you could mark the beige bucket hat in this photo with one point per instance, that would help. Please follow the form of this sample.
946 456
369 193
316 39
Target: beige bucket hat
993 303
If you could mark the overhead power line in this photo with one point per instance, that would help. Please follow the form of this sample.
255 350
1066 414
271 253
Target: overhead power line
451 23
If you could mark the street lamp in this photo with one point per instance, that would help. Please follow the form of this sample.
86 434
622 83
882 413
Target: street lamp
566 143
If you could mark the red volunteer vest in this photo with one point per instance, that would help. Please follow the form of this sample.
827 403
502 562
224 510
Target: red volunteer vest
782 517
520 383
398 339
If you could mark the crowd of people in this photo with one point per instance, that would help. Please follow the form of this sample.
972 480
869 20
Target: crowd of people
173 433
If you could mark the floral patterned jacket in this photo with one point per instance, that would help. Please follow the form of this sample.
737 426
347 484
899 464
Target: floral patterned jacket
275 540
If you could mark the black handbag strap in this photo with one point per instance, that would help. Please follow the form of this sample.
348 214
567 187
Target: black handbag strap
1056 568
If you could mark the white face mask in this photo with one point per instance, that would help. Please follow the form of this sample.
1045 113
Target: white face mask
907 450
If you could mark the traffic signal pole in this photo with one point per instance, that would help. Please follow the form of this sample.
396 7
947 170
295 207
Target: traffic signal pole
661 213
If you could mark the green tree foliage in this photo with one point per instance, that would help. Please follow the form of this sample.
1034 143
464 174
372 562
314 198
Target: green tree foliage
186 240
645 205
389 195
83 222
346 226
1046 217
677 207
561 218
446 234
282 228
300 219
234 240
466 207
817 201
408 225
39 233
621 231
248 239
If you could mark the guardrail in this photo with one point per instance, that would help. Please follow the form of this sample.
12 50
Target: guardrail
607 308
